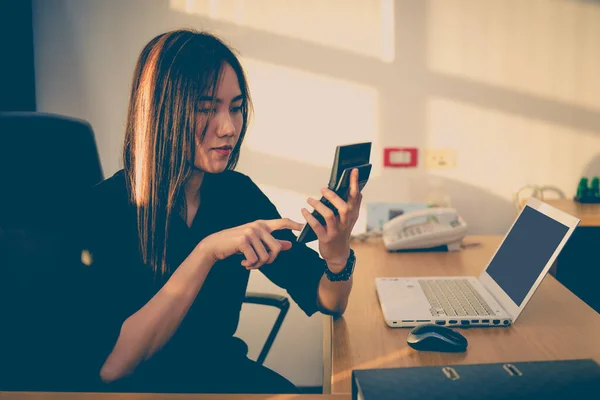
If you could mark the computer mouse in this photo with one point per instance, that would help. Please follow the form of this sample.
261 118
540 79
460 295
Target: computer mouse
431 337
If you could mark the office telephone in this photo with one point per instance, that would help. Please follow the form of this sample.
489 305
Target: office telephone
424 229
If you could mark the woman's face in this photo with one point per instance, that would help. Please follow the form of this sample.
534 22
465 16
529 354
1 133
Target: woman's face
224 123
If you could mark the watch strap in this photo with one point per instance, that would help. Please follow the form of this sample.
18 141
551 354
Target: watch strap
345 273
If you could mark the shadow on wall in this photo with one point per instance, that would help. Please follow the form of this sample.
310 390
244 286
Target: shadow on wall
404 86
592 168
485 212
408 79
72 91
70 83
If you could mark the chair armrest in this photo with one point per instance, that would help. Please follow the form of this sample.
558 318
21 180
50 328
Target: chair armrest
273 300
267 299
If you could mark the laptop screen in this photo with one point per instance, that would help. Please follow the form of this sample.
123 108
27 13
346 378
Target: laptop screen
525 252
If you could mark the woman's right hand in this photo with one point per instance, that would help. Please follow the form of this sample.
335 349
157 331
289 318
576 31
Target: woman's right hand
253 240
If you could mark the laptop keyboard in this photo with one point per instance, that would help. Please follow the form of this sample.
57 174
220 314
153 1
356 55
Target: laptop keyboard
454 297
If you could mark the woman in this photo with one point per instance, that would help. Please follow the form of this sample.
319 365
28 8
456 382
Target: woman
175 234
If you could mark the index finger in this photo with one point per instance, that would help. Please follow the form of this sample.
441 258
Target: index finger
353 185
283 223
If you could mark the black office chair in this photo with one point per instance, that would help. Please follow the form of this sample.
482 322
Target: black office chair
273 300
46 160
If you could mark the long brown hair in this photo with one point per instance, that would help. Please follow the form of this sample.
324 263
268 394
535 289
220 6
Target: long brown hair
172 72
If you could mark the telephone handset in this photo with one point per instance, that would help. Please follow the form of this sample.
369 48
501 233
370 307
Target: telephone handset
424 229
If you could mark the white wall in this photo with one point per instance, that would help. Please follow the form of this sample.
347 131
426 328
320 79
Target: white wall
511 85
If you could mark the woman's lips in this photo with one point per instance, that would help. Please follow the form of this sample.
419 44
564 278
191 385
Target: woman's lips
223 151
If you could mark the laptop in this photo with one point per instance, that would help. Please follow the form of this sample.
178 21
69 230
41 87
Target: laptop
495 298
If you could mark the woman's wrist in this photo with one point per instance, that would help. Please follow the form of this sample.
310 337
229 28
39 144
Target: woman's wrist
203 255
338 263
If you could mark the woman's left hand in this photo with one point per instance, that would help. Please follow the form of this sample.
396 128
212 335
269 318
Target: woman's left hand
334 237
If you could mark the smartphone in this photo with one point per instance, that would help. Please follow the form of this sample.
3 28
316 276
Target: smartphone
342 189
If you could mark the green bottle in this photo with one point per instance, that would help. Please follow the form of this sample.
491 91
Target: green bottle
582 189
594 191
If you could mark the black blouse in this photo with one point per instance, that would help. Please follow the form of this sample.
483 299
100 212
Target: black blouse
119 283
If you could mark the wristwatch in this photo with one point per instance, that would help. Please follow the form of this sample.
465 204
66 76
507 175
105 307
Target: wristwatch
344 274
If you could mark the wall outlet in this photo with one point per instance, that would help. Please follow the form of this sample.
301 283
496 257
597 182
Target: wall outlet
400 157
440 158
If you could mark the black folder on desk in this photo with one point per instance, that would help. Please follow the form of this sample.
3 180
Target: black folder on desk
563 379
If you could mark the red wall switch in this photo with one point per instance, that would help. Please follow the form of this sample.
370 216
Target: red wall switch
400 157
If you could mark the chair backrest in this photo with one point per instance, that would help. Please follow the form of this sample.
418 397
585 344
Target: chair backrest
46 161
43 159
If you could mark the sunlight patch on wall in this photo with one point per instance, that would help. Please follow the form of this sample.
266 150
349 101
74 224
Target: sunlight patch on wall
364 27
303 116
500 152
545 48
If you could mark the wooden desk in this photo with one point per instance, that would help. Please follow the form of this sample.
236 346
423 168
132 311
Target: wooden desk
147 396
589 214
554 325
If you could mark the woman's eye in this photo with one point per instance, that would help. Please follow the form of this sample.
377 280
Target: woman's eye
208 110
236 109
